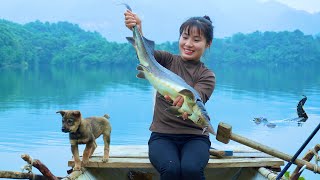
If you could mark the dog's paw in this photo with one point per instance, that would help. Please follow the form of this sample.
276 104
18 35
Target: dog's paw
85 162
105 159
76 168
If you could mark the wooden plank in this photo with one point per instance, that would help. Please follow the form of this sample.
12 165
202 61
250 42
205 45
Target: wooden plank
244 162
136 156
235 155
213 163
142 151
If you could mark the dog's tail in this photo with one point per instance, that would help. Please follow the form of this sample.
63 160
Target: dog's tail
106 116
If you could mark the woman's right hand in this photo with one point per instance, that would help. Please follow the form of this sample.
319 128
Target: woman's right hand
177 102
131 19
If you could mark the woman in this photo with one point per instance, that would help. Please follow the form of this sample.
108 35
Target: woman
177 147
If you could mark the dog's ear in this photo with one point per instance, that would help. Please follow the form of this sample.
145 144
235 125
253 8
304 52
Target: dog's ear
62 112
76 114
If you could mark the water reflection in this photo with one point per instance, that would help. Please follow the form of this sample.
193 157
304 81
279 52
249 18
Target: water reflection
287 80
29 99
44 86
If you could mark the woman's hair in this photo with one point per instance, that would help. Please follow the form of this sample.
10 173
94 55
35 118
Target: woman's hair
203 24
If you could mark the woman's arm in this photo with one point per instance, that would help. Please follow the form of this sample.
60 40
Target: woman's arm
205 85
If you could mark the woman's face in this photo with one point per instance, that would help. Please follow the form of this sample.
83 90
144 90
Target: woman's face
192 45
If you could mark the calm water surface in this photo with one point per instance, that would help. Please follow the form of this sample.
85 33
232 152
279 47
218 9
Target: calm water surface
30 98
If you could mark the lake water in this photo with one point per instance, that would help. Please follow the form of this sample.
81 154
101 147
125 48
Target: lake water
29 100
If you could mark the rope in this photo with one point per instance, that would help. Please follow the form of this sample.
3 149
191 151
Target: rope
303 168
27 167
316 159
270 173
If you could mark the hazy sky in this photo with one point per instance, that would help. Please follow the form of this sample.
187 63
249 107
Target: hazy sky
106 16
312 6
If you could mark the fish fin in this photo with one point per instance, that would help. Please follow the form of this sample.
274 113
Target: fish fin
187 93
131 40
174 110
150 44
141 75
141 67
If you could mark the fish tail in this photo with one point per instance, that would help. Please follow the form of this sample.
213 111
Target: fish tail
127 6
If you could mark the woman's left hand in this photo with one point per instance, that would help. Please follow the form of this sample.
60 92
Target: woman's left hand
178 102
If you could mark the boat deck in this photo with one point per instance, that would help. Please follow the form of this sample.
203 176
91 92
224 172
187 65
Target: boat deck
137 156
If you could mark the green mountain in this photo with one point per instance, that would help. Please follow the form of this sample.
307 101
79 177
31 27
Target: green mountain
66 44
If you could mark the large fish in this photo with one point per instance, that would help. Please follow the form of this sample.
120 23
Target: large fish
168 83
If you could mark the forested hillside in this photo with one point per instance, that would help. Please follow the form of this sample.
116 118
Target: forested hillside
272 48
63 43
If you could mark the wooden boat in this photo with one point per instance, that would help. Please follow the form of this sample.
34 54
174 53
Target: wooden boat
131 162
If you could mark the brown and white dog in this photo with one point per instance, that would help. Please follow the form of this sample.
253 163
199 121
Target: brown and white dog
85 131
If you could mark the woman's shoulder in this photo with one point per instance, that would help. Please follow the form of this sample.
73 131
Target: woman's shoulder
206 71
163 54
165 58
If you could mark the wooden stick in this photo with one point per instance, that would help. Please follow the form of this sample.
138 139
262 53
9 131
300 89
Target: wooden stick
308 156
224 135
20 175
41 167
220 153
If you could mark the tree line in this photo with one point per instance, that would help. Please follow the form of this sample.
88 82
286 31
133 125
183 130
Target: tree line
63 44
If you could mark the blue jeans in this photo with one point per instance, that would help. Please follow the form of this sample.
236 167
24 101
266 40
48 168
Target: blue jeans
179 156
